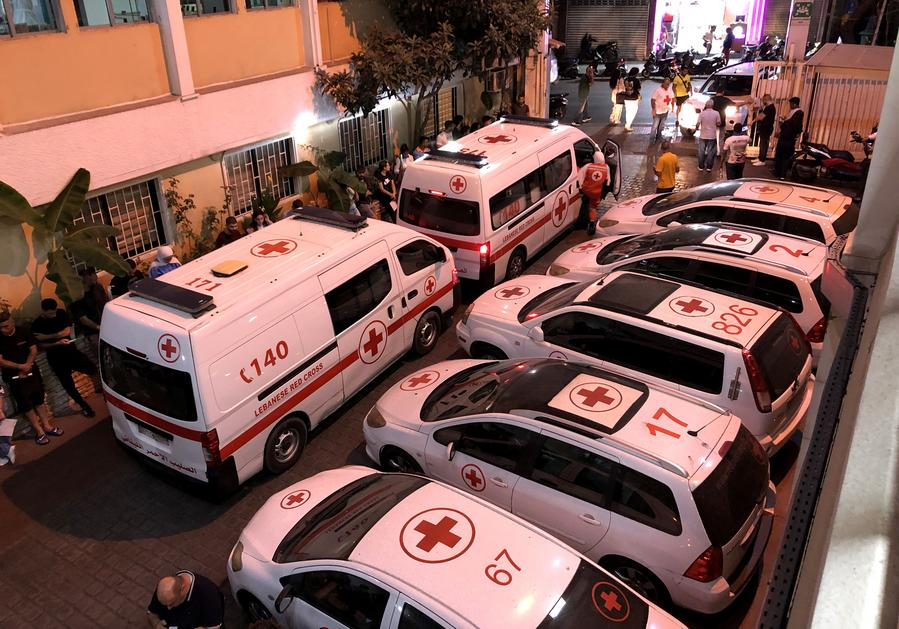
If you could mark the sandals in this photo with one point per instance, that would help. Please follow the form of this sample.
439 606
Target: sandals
56 431
41 440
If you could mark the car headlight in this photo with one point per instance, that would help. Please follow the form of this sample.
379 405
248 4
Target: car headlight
374 419
607 222
237 557
467 314
557 269
730 111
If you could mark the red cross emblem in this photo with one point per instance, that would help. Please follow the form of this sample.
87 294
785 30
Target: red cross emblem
691 306
458 184
430 285
420 381
584 248
611 602
473 477
512 292
732 238
763 189
668 100
560 208
437 535
497 139
295 499
595 397
273 248
372 342
168 347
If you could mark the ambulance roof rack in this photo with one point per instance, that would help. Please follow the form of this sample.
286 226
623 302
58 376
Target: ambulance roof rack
325 216
457 158
549 123
190 301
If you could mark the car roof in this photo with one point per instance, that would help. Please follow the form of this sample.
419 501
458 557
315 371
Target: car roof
819 201
276 257
501 144
738 69
678 305
625 414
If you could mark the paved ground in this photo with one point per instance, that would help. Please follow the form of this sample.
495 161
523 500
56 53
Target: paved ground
86 530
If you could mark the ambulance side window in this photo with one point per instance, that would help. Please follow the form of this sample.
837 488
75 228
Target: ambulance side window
509 203
416 256
358 296
583 152
556 172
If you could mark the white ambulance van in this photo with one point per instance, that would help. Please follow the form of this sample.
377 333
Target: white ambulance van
223 366
499 195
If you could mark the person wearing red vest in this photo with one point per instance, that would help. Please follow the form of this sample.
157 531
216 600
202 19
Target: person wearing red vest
594 187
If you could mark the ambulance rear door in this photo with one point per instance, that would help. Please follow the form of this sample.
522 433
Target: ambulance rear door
149 381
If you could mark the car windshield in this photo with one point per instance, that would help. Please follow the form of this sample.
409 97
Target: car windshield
164 390
732 84
683 236
440 213
333 528
548 301
726 498
674 200
590 590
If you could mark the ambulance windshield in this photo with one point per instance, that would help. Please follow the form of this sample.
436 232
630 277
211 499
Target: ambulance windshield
161 389
440 213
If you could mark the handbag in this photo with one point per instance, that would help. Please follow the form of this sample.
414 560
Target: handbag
619 98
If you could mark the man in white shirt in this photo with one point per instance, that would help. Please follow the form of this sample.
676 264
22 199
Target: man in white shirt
444 136
735 152
707 129
662 102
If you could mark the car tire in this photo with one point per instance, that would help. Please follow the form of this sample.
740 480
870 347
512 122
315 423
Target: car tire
485 351
640 580
285 445
253 608
516 264
396 460
427 331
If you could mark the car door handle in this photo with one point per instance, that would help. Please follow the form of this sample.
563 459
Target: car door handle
412 294
390 311
498 482
589 519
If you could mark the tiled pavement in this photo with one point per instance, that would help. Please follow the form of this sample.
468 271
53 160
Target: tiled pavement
85 531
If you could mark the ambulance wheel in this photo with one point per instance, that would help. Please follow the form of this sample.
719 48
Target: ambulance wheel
395 460
516 264
284 445
427 332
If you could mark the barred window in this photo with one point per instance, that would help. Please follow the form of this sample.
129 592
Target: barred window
442 106
134 210
250 171
365 140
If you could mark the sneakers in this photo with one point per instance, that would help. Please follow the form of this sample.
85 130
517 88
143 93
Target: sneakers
41 440
575 123
587 119
56 431
756 162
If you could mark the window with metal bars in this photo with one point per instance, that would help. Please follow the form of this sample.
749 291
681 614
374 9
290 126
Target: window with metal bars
365 140
250 171
442 107
134 210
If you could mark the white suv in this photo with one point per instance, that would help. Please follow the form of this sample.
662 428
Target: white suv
743 356
669 493
806 211
771 268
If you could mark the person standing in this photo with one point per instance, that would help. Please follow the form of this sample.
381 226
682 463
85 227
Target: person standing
520 107
446 135
616 86
18 349
764 127
583 94
662 103
666 168
385 192
683 89
790 129
52 329
707 40
186 601
594 187
631 98
727 44
423 147
229 234
165 261
721 102
707 127
733 157
121 283
402 162
87 312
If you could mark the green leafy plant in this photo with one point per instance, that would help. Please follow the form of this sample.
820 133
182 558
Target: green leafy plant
54 239
181 207
331 176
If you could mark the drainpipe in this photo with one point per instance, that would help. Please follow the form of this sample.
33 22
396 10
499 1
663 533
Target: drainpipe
167 14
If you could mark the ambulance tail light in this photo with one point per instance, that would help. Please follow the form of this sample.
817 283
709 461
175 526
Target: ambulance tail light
757 382
484 252
210 442
816 334
707 567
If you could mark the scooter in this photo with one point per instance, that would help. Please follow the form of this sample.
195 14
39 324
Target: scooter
605 55
814 160
568 68
654 66
558 105
707 65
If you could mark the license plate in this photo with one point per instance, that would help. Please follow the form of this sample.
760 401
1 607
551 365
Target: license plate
152 435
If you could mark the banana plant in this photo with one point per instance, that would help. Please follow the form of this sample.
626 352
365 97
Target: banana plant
53 239
332 178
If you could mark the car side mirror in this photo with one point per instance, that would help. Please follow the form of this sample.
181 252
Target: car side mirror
536 334
285 598
450 450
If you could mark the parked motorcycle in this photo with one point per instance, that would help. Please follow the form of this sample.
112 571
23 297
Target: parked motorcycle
814 160
605 55
558 105
708 65
659 67
568 68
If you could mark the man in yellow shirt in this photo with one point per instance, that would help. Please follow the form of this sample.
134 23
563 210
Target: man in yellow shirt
666 168
683 89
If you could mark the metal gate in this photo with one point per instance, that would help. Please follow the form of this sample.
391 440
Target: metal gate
626 21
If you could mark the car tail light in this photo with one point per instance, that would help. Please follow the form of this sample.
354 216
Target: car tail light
466 314
607 222
210 442
707 567
757 382
816 334
484 251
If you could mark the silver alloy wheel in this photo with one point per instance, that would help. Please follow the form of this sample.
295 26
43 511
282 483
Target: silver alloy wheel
286 444
427 333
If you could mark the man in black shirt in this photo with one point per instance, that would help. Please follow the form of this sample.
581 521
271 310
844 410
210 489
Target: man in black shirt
229 234
52 330
87 311
17 353
790 128
186 601
764 127
120 284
